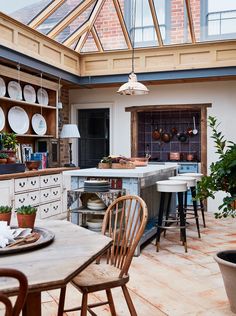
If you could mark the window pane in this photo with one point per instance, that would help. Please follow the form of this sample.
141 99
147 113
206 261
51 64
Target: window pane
57 16
23 10
228 26
221 5
213 27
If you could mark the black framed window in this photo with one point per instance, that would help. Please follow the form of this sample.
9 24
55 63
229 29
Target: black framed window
145 34
218 19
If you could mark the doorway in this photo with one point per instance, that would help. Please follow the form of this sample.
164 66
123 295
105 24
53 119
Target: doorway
94 136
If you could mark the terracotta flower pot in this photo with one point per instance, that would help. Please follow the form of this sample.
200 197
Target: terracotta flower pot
5 217
227 263
3 161
26 220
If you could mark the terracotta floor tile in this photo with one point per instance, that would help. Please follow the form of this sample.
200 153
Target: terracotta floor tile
170 282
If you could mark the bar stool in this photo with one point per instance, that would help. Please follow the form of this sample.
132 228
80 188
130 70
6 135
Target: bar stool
168 187
198 177
191 185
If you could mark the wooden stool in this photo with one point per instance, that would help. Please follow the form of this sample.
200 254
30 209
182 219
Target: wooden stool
168 187
191 185
198 177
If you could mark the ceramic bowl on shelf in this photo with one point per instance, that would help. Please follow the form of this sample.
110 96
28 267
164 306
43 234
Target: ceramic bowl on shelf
32 164
95 223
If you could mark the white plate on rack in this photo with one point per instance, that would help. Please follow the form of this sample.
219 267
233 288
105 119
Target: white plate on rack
18 120
14 90
2 87
2 119
42 96
29 93
39 124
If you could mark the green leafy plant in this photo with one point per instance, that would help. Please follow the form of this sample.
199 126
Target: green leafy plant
222 175
3 156
106 160
26 210
5 209
9 141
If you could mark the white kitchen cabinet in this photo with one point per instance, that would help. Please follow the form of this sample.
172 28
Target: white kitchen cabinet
6 192
44 191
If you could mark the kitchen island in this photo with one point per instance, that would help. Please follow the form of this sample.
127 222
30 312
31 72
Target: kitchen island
139 181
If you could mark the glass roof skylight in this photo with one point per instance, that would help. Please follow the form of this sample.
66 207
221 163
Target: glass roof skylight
101 25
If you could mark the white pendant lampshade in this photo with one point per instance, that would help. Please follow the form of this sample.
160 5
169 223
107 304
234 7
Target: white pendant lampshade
133 87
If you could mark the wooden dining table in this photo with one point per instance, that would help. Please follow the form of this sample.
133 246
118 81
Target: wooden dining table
54 265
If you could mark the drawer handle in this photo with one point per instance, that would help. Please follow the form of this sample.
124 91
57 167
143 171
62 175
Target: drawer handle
55 192
55 207
33 182
33 198
22 184
45 181
46 195
22 200
55 179
46 210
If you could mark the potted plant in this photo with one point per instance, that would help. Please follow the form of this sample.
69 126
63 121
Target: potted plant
9 142
222 177
5 214
3 158
26 216
105 163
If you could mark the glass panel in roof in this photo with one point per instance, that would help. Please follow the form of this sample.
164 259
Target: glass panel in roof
75 24
109 29
66 8
90 45
214 19
23 10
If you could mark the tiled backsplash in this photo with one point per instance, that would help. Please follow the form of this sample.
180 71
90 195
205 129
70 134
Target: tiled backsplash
167 121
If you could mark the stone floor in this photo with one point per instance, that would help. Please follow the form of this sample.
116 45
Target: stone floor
170 282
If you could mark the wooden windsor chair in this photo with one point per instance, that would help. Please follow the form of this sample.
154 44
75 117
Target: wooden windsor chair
124 221
21 292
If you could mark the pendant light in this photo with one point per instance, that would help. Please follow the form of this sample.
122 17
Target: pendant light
133 87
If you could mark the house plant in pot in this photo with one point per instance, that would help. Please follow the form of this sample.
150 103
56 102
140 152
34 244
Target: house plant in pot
26 216
3 158
5 213
9 142
222 177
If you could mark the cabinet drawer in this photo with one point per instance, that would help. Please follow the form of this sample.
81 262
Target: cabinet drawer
21 199
55 193
21 184
33 183
33 197
45 195
55 179
45 181
50 209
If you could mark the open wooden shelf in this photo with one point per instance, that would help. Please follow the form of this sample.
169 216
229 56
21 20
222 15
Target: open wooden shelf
22 102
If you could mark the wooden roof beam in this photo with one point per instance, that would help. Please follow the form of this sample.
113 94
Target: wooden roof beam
97 40
91 22
122 23
190 21
45 13
156 23
70 18
77 34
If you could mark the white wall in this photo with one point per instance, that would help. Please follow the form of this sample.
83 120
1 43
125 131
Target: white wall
221 94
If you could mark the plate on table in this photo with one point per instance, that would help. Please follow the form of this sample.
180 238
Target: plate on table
46 237
14 90
2 118
42 96
39 124
18 120
2 87
29 93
